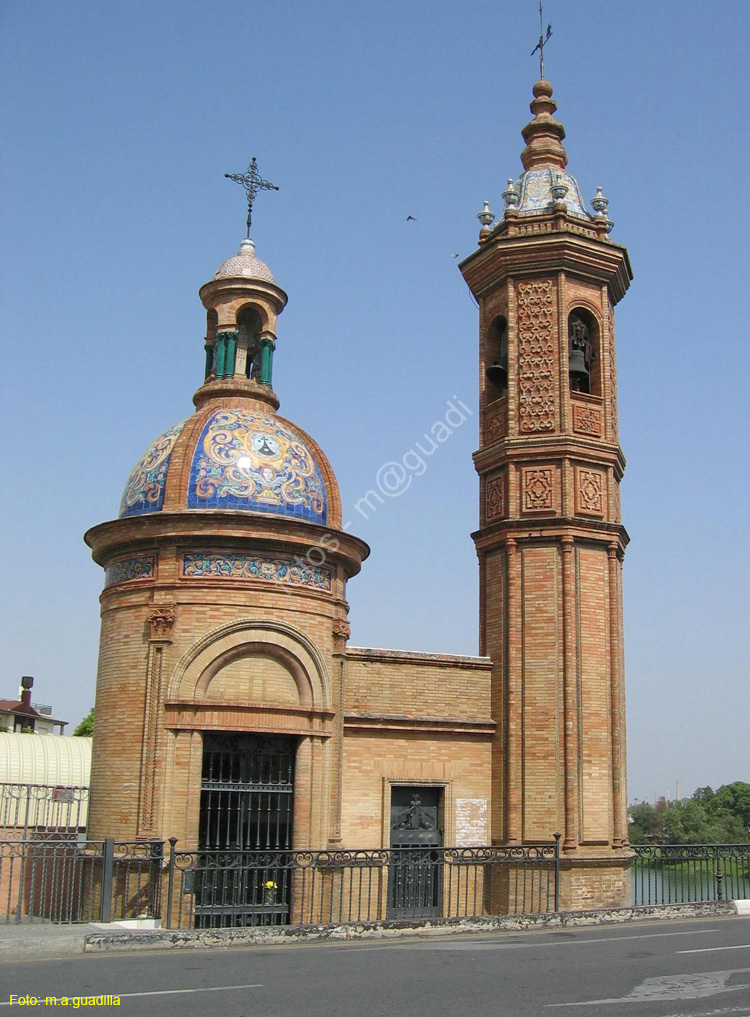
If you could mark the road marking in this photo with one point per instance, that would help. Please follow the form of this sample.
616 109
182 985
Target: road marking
740 1011
668 987
715 949
467 946
156 992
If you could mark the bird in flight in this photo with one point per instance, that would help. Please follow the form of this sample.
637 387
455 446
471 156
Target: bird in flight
411 218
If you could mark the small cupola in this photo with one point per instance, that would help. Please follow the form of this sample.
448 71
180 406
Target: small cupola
242 304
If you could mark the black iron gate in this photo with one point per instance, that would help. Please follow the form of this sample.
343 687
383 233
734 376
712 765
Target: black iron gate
415 870
247 795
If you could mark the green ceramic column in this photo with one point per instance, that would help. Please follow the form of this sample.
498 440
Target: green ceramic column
267 347
221 346
230 355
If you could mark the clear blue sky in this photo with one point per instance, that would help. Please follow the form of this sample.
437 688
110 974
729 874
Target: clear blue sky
119 122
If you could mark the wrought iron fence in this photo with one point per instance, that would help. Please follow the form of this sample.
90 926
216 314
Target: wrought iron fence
214 888
65 879
25 808
688 873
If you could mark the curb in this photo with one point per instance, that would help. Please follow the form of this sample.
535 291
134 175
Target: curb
164 939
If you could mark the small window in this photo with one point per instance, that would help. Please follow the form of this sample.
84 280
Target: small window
497 359
583 354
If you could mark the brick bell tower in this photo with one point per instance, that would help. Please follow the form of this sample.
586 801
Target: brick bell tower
551 541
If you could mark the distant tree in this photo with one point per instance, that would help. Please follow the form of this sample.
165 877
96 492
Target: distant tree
733 800
704 795
86 728
642 823
690 822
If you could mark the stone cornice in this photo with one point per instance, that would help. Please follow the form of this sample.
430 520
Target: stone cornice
554 447
435 725
197 715
221 529
241 286
374 656
501 257
550 529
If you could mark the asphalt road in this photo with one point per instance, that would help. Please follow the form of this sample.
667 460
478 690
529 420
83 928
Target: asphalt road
692 968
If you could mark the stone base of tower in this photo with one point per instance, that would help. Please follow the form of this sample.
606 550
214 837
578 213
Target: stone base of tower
589 883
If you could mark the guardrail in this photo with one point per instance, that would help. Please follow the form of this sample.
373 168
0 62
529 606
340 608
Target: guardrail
65 879
688 873
25 808
210 889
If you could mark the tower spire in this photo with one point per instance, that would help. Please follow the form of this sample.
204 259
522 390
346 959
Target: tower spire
543 135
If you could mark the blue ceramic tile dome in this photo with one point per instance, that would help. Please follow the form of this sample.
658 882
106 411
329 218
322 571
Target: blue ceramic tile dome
144 491
244 460
250 461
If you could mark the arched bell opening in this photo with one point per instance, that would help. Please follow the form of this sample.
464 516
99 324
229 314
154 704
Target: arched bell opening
249 327
496 371
212 321
583 352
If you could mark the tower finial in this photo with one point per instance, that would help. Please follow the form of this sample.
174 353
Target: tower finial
542 41
253 182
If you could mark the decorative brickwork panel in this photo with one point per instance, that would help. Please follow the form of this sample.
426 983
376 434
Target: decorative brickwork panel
542 706
495 498
200 565
590 492
129 569
594 684
587 419
536 357
538 489
496 422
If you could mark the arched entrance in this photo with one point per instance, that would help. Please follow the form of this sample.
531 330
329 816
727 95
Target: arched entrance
245 830
247 792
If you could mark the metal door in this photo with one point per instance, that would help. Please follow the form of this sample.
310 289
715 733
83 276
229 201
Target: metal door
245 833
415 872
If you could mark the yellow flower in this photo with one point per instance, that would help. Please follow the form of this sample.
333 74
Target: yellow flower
270 885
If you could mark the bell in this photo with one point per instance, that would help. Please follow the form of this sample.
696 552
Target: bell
579 373
497 373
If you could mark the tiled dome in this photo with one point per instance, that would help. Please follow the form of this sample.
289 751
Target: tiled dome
245 265
243 460
535 192
144 491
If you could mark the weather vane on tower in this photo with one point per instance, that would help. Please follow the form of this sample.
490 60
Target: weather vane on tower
543 40
253 182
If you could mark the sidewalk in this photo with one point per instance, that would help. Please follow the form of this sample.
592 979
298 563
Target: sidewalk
29 941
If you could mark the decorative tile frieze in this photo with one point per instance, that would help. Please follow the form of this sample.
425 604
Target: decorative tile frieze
589 489
215 565
128 569
538 489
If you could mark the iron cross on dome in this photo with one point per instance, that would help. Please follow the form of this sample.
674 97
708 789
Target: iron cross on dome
543 40
253 182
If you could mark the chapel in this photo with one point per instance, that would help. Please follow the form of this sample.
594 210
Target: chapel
231 711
